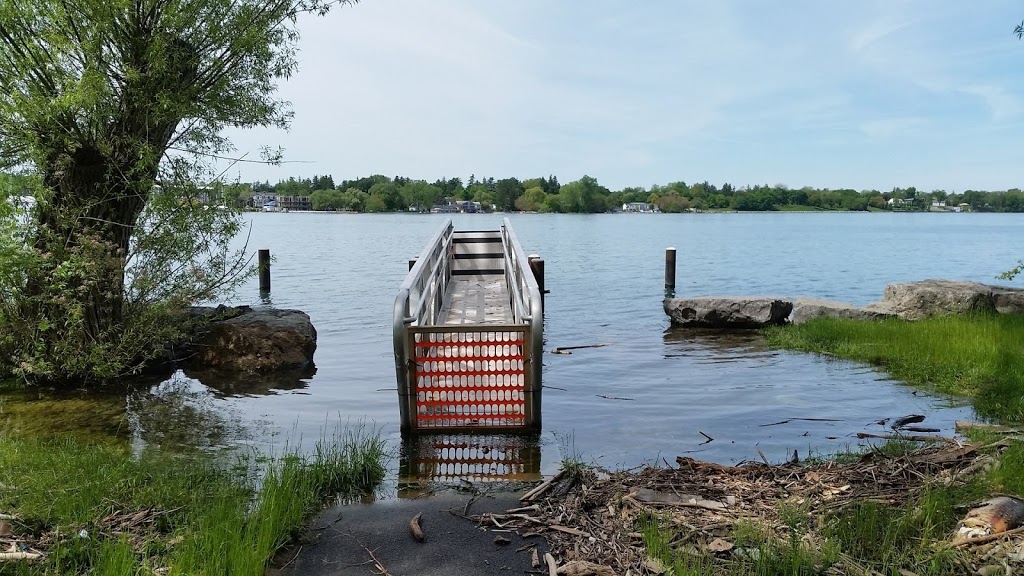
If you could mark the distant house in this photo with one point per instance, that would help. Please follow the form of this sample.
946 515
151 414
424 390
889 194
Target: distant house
452 206
642 207
291 203
259 200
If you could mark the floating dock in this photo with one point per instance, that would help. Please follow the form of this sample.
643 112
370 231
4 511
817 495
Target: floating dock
468 335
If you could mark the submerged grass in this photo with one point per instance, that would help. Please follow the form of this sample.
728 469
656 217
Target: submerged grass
96 508
979 356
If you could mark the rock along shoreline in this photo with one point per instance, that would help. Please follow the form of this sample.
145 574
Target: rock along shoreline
907 301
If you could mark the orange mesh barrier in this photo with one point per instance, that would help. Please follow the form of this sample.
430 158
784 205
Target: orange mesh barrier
470 379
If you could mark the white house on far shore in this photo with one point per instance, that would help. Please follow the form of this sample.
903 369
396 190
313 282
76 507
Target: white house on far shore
643 207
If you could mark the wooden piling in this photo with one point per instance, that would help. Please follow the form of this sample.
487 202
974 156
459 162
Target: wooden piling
670 272
264 267
537 266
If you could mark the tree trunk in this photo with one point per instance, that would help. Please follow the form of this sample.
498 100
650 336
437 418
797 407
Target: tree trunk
90 217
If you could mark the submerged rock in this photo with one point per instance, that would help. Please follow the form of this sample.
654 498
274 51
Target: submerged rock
728 312
807 309
257 340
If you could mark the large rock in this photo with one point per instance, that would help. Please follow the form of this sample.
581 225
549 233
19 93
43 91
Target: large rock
728 312
807 309
1008 300
257 340
916 300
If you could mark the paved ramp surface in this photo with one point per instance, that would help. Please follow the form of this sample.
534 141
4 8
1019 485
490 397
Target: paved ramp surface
453 546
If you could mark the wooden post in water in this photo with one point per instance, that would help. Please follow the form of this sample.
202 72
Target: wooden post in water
670 272
537 266
264 266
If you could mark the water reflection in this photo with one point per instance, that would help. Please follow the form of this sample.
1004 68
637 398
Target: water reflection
232 384
448 458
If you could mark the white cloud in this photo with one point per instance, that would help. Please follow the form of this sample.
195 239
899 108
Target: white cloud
1002 105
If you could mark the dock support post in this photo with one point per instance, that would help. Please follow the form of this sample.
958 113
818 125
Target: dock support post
537 266
264 267
670 272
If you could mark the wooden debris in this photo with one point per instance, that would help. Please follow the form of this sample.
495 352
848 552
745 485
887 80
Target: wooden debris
584 568
7 556
414 527
534 558
962 426
552 565
502 541
905 420
911 437
543 487
566 349
5 528
594 517
718 545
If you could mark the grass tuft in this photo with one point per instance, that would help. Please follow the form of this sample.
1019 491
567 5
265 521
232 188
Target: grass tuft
196 515
980 356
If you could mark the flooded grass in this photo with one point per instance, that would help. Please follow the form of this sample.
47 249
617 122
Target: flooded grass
978 356
94 508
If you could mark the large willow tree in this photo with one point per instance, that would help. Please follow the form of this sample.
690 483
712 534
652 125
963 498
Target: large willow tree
114 108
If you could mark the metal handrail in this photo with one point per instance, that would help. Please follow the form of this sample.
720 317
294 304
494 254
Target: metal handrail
520 281
427 280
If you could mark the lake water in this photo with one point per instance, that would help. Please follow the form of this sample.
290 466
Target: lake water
653 391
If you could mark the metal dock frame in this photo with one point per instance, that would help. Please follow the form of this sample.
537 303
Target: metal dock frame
417 327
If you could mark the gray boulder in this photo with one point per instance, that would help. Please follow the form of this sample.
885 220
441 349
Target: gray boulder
1008 300
916 300
728 312
807 309
257 340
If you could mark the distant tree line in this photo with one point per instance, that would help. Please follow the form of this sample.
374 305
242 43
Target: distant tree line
380 193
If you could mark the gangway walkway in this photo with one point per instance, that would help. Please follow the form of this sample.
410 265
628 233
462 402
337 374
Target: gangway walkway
468 335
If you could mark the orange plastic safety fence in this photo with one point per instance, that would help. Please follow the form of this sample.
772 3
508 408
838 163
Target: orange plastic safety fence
470 379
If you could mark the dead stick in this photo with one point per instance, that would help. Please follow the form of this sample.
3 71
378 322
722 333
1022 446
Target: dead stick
552 566
414 527
5 556
534 559
581 347
710 439
543 487
989 538
912 437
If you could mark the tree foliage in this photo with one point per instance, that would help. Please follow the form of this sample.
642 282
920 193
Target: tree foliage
116 107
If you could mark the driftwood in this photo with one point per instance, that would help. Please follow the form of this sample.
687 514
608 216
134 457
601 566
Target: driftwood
566 349
911 437
544 486
9 556
414 527
962 426
552 565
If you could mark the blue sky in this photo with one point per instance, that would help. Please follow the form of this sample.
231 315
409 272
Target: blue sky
866 94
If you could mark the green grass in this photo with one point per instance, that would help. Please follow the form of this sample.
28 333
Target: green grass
977 356
209 518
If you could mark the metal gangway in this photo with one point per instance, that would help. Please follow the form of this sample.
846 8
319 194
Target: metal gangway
468 335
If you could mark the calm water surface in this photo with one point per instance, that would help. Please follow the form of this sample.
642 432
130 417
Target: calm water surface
653 390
